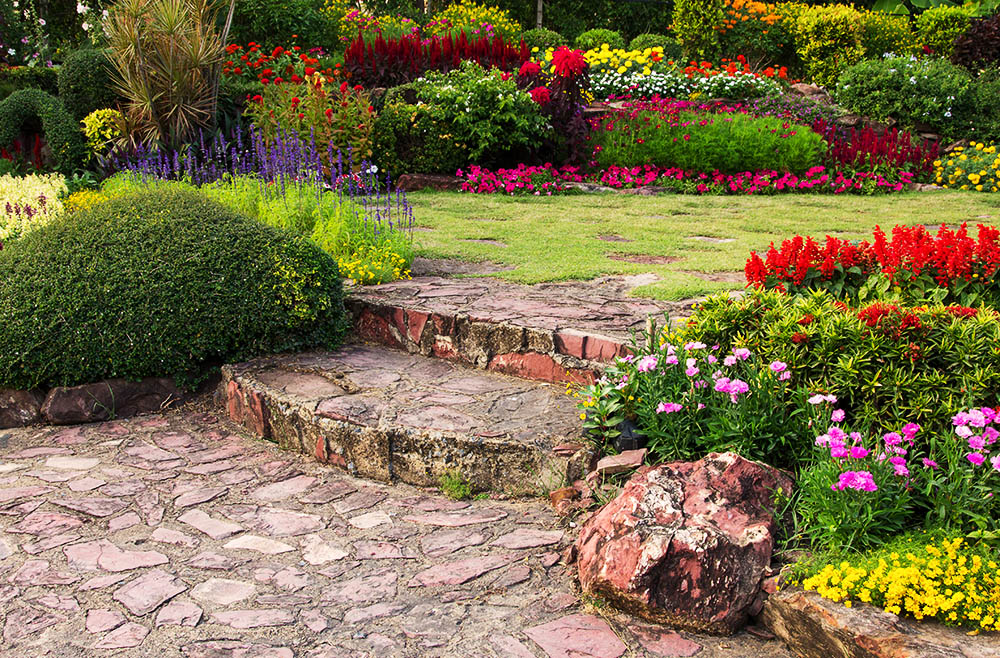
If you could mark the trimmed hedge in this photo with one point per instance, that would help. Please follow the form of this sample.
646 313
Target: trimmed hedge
592 39
28 77
163 283
85 82
62 132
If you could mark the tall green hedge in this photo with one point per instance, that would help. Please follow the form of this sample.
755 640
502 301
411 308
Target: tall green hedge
163 283
62 132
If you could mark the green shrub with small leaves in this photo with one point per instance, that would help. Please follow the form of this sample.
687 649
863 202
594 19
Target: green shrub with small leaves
696 25
543 38
28 77
594 38
672 50
36 109
85 82
161 283
938 27
828 40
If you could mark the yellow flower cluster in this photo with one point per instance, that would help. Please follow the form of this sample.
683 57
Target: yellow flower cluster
83 199
605 59
472 15
101 128
944 579
974 168
29 202
373 265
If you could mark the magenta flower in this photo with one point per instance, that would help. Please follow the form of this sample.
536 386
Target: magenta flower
838 451
778 366
741 353
857 480
976 458
929 463
976 443
995 461
837 415
858 452
785 376
729 360
647 363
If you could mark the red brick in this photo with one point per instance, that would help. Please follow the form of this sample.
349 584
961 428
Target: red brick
320 451
601 349
530 365
443 348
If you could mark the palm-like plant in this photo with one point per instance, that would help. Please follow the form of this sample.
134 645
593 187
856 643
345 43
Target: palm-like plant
167 56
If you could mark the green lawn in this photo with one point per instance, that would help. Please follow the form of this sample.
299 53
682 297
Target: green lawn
556 238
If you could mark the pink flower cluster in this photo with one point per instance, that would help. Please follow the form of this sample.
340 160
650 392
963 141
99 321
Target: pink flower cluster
546 179
857 480
976 427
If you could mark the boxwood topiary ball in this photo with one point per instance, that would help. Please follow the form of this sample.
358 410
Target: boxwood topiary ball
166 283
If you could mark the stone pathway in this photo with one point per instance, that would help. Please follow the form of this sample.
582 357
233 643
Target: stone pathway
178 535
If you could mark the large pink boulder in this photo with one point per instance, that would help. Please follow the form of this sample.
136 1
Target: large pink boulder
686 543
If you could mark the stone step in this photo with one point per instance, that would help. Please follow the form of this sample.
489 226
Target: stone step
393 416
558 332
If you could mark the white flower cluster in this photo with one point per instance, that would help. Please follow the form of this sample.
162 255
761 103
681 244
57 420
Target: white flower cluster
674 84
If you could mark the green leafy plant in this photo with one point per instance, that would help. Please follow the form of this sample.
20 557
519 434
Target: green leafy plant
28 77
276 22
938 27
696 23
409 138
930 93
885 33
454 485
672 50
592 39
543 38
886 367
829 39
85 82
34 107
161 283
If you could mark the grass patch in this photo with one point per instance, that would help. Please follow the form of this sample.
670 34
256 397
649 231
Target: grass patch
557 238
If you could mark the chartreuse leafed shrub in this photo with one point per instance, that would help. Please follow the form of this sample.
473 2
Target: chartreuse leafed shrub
939 576
671 50
938 27
929 92
35 108
596 38
888 364
162 283
696 24
829 39
543 38
974 168
886 33
102 128
28 202
85 82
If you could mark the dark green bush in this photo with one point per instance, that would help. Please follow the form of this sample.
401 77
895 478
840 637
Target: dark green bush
28 77
594 38
884 375
543 39
85 82
163 283
34 108
671 49
274 22
408 139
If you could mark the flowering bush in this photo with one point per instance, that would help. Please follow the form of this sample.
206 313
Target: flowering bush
29 202
102 128
525 180
754 29
974 168
680 134
474 20
687 400
278 65
83 199
339 117
929 91
912 264
868 150
857 493
887 364
947 578
395 61
732 80
561 91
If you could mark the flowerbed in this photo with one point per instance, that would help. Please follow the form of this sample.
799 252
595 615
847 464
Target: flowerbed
976 168
29 202
912 264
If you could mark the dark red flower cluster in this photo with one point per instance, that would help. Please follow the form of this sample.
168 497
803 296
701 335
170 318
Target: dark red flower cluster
395 61
866 148
277 66
889 319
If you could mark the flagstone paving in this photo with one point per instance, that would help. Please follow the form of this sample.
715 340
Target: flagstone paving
179 535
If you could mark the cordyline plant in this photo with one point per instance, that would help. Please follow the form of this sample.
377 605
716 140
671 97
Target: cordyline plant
167 57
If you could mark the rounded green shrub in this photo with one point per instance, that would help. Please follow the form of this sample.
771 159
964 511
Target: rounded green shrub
161 283
696 25
649 40
595 38
937 28
85 82
543 39
62 132
408 139
829 39
282 22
